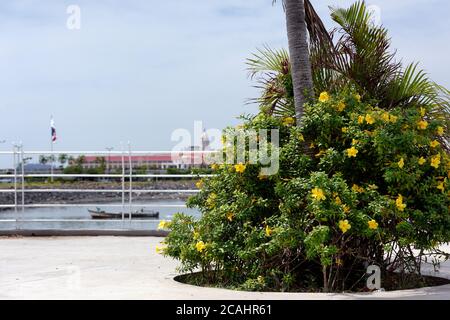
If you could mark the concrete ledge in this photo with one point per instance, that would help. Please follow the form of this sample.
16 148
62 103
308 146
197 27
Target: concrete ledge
86 233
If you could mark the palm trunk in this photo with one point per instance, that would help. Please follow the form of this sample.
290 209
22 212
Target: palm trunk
299 53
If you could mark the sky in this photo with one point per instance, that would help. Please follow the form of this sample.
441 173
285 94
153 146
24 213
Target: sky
137 70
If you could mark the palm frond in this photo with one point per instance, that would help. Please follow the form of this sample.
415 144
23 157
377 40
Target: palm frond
355 54
267 61
271 70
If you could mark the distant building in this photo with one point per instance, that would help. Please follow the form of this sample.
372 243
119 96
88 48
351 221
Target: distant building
185 159
178 160
161 161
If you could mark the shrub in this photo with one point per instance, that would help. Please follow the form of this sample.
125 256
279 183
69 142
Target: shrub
374 191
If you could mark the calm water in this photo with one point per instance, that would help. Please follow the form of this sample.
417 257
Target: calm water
81 213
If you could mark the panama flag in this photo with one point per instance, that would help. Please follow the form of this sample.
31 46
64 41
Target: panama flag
53 130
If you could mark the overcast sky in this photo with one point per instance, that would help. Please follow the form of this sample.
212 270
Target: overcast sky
139 69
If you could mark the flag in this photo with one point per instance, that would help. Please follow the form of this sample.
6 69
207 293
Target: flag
53 130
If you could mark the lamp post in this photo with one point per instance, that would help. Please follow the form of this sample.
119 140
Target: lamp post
109 158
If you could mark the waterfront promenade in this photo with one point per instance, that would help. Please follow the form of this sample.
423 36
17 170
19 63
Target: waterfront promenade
126 268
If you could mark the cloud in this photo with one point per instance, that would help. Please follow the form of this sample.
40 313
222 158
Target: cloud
139 69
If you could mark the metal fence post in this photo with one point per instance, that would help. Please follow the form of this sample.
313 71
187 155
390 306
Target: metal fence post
131 180
23 177
123 182
15 178
15 187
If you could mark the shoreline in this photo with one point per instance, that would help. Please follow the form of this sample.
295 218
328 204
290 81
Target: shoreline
89 197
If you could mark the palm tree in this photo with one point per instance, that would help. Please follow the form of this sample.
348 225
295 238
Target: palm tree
43 159
299 53
302 23
356 54
63 159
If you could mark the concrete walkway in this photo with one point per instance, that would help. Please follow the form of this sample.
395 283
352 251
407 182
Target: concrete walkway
126 268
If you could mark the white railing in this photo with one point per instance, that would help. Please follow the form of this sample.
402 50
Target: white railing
127 190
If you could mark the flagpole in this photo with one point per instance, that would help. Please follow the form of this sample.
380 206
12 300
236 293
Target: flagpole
51 149
51 158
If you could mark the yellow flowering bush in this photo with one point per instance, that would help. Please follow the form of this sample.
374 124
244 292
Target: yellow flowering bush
356 184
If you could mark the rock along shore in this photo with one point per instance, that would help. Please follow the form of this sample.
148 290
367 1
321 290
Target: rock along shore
98 197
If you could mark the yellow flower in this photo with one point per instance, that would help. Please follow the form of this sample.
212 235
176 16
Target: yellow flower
230 216
422 125
422 161
440 186
434 144
199 184
163 225
423 111
393 118
240 168
357 189
196 235
341 106
401 163
289 121
346 209
200 246
301 137
361 119
318 194
373 225
352 152
436 161
370 119
440 131
269 231
211 201
385 117
338 201
214 166
159 250
321 153
344 225
344 130
324 97
354 141
358 97
399 203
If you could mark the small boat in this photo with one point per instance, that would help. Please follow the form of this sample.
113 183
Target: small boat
140 214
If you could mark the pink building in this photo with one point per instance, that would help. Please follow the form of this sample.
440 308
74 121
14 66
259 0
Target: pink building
179 160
